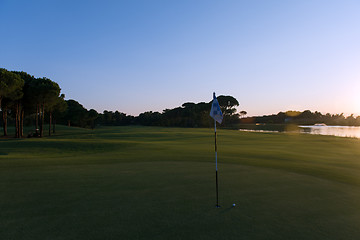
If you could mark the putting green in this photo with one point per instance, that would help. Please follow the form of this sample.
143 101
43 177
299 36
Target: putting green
159 183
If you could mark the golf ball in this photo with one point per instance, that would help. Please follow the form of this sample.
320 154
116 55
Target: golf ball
234 205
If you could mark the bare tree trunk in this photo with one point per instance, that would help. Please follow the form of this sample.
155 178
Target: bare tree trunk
17 120
22 123
18 113
37 117
54 125
40 127
42 116
4 110
50 124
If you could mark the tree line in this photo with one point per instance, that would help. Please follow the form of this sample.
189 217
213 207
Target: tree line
22 95
188 115
31 101
305 118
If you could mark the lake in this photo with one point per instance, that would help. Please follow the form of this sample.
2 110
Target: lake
340 131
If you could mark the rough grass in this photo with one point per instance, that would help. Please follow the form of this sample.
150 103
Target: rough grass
159 183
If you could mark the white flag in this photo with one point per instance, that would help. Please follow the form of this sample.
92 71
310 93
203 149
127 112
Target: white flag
215 112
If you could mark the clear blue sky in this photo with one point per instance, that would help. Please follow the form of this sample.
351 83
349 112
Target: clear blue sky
136 56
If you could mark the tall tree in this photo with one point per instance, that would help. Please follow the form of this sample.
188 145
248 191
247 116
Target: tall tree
243 113
10 87
28 101
49 92
17 109
55 111
34 92
92 115
228 106
75 114
60 109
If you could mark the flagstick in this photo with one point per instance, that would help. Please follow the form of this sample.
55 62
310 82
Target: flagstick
217 188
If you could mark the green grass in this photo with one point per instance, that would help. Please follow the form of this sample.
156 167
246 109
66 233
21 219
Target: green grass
159 183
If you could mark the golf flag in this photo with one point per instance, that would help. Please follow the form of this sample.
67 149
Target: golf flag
215 112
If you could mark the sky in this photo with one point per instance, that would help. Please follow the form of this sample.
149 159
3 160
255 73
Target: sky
135 56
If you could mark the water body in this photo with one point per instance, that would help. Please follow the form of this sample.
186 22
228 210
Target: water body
340 131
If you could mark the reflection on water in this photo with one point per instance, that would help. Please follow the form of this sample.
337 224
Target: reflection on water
340 131
253 130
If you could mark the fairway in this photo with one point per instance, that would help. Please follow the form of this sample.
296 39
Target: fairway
159 183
